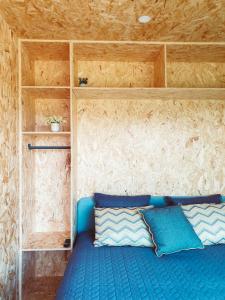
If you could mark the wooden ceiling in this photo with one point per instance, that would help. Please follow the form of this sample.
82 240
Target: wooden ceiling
172 20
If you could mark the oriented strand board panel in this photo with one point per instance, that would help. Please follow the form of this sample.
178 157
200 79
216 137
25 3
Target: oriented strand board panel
172 20
45 64
8 163
116 74
196 75
150 94
116 65
46 197
196 66
42 273
163 147
38 104
116 52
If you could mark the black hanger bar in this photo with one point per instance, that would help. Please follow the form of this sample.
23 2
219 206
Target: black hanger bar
30 147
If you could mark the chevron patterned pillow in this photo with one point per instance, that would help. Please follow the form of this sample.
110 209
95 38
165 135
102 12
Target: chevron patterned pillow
208 221
121 227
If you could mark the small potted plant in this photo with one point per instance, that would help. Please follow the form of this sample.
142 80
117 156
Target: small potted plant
55 122
83 81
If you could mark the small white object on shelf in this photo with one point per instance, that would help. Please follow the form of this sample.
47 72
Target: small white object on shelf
55 127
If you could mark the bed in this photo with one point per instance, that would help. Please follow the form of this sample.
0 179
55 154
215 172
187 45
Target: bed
137 273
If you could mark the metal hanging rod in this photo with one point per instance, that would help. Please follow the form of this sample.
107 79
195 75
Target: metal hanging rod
30 147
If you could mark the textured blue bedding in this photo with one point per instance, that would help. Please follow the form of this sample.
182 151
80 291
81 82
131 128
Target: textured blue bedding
137 273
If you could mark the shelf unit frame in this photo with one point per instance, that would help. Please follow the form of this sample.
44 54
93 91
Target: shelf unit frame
155 93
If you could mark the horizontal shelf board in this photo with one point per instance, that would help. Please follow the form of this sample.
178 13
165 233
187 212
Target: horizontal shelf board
45 133
46 241
46 249
151 93
44 87
118 42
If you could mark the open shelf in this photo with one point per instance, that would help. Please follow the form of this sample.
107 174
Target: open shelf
45 133
46 192
38 104
119 65
46 240
45 64
196 66
44 87
151 93
42 272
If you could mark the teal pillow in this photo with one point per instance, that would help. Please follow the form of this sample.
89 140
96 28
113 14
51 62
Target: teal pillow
170 230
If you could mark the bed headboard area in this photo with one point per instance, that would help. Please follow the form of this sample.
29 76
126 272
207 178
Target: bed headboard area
85 211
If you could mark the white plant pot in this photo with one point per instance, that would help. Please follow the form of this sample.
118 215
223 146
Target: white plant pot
55 127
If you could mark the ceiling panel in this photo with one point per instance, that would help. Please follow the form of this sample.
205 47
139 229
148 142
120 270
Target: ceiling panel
172 20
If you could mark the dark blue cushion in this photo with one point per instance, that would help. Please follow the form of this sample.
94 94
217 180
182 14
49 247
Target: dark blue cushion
193 200
104 200
170 230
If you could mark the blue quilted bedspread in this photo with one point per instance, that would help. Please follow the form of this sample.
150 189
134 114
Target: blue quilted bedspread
137 273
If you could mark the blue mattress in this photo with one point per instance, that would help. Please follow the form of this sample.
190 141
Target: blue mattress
137 273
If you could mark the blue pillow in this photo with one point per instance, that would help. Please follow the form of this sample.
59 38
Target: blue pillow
104 200
170 230
193 200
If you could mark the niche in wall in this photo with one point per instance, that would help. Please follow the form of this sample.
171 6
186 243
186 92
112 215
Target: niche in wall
196 66
119 65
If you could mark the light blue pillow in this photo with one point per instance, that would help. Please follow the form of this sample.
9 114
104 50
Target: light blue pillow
170 230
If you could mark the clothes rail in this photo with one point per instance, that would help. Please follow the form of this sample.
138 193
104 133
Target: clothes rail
30 147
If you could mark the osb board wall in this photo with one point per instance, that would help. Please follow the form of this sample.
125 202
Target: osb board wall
45 65
116 74
151 146
43 272
44 264
46 197
36 111
8 162
196 75
172 20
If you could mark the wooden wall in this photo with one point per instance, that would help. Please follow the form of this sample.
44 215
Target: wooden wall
8 163
163 147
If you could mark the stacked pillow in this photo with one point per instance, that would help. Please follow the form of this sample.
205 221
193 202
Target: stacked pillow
208 221
118 223
131 221
170 230
121 227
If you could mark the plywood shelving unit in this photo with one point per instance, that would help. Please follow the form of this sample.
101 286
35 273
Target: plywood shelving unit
196 66
49 85
45 64
47 193
116 65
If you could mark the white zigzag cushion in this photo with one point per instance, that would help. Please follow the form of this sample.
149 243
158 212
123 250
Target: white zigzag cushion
208 221
121 227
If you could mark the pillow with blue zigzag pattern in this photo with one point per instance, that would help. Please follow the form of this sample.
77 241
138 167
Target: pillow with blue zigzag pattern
208 221
121 227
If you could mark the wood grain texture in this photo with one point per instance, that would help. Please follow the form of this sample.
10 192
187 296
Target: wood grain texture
150 94
8 162
45 240
45 64
116 52
196 66
196 53
43 272
169 147
38 104
196 75
174 20
116 74
46 199
116 65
